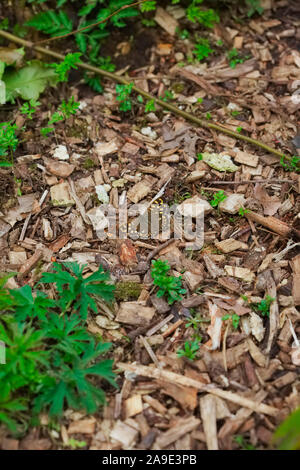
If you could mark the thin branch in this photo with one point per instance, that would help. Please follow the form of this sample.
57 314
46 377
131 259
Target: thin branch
159 102
124 7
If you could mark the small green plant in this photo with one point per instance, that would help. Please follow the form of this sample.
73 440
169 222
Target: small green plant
75 444
8 142
150 106
199 156
264 306
170 286
29 108
195 323
168 96
123 96
243 212
65 110
202 49
218 197
239 439
239 129
254 7
195 14
208 116
50 356
235 320
189 350
62 68
68 108
235 58
182 33
291 165
77 291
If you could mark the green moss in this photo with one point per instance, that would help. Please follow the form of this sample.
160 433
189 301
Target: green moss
127 291
178 87
88 164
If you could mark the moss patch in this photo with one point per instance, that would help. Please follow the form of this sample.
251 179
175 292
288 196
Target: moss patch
127 291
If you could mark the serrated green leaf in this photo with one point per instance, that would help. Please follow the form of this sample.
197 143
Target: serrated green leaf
28 82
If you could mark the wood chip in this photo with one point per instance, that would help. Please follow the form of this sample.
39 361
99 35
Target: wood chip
83 426
160 374
133 406
135 313
183 426
209 421
230 244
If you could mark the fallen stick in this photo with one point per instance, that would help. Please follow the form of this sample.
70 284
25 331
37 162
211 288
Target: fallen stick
273 224
178 379
163 104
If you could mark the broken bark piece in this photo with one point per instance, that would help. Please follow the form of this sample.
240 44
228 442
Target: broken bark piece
285 379
232 203
230 244
160 304
193 280
215 327
241 273
135 313
274 311
256 354
133 406
229 283
246 158
107 148
142 189
234 355
231 425
273 224
165 375
128 253
124 434
186 396
60 195
155 404
61 169
83 426
166 21
295 264
212 268
30 263
209 421
183 426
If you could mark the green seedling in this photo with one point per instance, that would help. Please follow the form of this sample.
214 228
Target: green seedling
243 212
239 439
218 198
235 58
123 96
169 286
8 142
50 356
264 306
189 350
29 108
235 320
202 49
